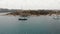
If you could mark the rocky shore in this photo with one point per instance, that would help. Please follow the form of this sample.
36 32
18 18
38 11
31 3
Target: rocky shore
34 12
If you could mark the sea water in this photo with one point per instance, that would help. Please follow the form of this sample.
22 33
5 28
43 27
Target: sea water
34 25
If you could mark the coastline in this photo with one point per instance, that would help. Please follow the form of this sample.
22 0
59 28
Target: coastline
33 12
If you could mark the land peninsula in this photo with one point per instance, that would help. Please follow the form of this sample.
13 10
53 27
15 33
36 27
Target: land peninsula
34 12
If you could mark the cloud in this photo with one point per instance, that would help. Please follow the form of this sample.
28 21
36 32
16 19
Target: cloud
30 4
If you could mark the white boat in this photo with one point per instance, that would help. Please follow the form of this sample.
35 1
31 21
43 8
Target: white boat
56 17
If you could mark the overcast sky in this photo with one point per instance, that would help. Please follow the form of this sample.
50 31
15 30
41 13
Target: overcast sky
30 4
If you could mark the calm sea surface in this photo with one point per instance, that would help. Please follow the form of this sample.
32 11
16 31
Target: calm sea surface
34 25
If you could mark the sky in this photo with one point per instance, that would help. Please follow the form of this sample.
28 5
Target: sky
30 4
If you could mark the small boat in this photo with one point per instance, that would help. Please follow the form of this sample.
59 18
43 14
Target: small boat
22 19
56 17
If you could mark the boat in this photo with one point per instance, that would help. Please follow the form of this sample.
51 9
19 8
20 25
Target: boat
56 17
22 19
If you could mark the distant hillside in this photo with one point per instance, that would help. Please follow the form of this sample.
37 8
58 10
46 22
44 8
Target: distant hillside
6 10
